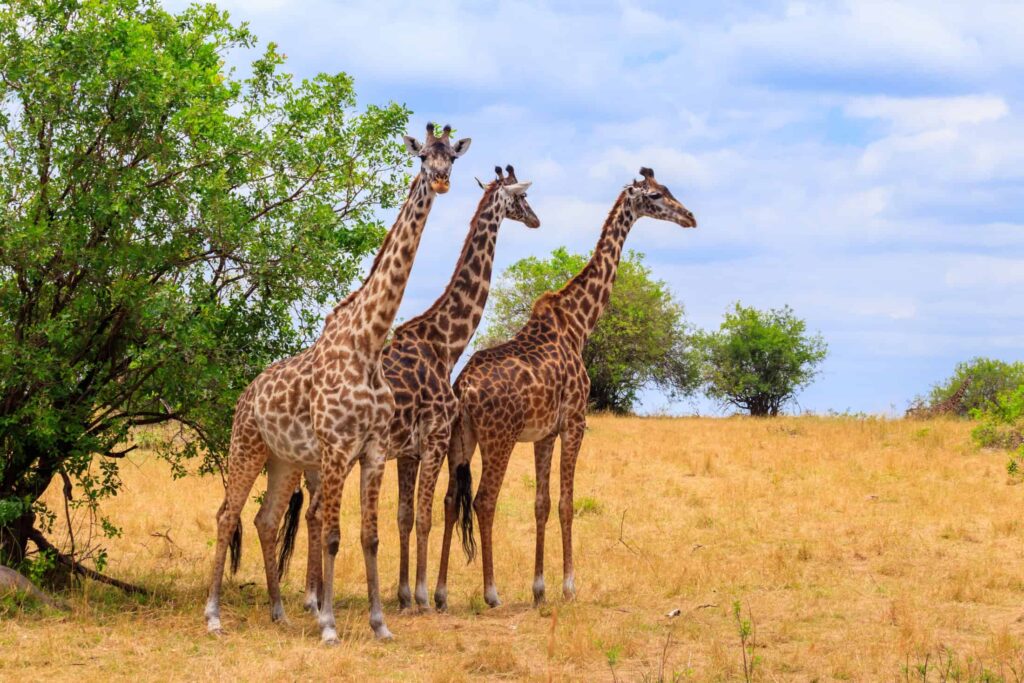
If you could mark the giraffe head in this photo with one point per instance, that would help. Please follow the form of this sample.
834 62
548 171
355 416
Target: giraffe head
651 198
437 155
512 195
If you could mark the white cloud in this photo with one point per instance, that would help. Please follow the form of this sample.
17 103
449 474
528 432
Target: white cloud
926 113
797 132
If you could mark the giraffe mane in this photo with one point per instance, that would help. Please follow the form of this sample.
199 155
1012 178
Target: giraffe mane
470 234
551 297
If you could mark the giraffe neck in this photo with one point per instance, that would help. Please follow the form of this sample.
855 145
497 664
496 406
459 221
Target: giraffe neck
584 298
379 297
452 320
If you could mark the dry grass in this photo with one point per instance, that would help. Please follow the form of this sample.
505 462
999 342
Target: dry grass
858 547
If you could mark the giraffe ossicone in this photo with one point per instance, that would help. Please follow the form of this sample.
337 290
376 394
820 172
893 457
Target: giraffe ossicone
329 408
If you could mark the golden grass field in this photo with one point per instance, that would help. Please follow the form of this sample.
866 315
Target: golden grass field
857 547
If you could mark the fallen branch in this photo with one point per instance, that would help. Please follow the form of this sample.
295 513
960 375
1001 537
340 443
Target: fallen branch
76 568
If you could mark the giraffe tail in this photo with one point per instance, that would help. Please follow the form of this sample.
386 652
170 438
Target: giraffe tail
235 547
464 508
459 454
289 530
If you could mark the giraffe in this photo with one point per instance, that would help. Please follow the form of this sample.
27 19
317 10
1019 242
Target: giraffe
951 405
418 364
329 406
534 388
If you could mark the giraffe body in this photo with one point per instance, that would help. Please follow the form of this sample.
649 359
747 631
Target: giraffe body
534 388
329 407
417 365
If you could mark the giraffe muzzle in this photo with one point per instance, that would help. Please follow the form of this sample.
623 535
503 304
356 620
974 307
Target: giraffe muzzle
440 185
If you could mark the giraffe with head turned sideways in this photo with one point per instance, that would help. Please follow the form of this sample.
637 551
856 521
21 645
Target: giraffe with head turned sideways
329 407
534 388
418 363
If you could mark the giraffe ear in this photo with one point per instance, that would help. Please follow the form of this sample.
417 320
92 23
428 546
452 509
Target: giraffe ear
631 190
517 188
461 147
413 146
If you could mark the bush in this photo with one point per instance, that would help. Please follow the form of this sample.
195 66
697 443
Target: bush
989 379
759 360
1002 426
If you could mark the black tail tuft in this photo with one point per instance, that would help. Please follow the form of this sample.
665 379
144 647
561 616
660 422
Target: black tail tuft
464 508
289 530
235 546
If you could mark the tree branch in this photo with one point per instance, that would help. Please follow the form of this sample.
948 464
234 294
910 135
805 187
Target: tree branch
43 544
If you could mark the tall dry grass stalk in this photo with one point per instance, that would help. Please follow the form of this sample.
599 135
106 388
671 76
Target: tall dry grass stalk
863 547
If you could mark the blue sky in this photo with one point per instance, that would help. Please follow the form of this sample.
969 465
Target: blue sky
861 162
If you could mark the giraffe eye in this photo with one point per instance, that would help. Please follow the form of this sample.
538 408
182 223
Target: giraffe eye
655 195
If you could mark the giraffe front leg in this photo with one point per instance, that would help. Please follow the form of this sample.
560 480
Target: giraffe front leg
371 473
407 468
542 451
282 478
572 438
314 553
430 467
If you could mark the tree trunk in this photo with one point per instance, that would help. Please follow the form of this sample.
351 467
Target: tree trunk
14 537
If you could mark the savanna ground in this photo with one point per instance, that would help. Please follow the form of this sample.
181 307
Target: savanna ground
857 548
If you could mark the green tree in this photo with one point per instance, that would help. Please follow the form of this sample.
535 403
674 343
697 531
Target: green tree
759 360
167 229
642 338
989 379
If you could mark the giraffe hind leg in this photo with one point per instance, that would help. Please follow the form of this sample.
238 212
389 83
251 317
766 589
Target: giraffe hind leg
282 479
407 469
245 461
542 451
460 452
314 560
494 456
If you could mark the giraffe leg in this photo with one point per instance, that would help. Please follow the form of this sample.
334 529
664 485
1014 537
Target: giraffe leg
407 468
572 438
314 531
371 472
433 455
542 451
494 456
245 462
460 452
337 463
282 478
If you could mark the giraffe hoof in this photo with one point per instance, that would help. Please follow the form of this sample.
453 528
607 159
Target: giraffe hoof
382 633
491 597
329 637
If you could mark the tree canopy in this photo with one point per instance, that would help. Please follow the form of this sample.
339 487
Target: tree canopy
758 360
989 378
167 228
642 338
